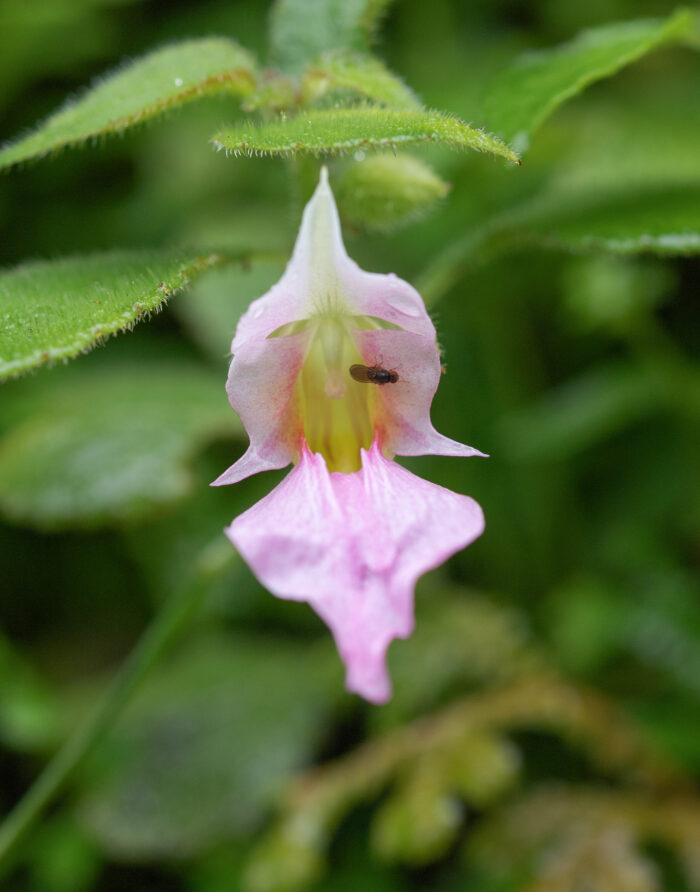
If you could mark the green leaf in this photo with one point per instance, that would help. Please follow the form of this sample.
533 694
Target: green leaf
537 83
56 309
658 219
208 744
384 191
112 445
359 73
342 130
647 141
300 31
164 79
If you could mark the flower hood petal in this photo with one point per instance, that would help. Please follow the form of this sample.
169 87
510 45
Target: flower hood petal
320 276
353 546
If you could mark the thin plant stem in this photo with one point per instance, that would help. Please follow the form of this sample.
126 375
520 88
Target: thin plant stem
154 642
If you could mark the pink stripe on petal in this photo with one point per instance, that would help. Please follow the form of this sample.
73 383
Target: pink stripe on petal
353 546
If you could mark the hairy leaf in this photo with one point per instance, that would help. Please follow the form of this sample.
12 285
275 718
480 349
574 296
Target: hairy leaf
388 190
138 90
109 446
56 309
341 130
530 89
300 31
359 73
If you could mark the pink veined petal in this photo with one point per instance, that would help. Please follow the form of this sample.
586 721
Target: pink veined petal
260 388
404 407
353 546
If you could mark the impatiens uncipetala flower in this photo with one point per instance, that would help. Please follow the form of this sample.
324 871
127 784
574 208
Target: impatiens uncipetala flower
348 530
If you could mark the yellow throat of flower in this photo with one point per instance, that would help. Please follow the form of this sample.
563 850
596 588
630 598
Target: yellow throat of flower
336 411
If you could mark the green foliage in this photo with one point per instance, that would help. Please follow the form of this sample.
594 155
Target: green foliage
343 130
166 78
300 31
524 94
384 191
605 293
421 819
358 73
591 836
64 859
34 41
212 306
580 413
29 709
497 766
657 219
463 640
207 745
110 446
56 309
436 760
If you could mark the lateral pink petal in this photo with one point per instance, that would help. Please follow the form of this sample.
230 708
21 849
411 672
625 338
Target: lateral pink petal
353 546
403 409
260 387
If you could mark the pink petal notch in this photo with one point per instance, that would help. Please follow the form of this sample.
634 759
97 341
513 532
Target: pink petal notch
353 546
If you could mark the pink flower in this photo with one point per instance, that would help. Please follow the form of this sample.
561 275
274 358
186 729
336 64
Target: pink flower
348 530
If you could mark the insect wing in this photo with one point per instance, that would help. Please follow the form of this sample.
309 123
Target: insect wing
362 374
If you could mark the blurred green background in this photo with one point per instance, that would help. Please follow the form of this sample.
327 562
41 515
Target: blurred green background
544 729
